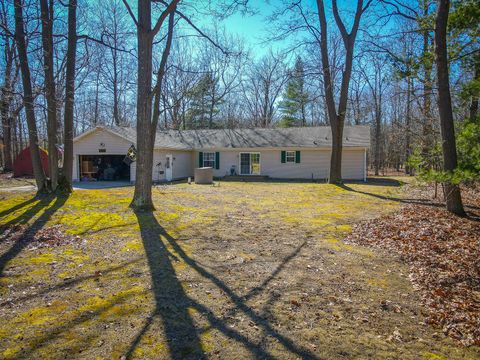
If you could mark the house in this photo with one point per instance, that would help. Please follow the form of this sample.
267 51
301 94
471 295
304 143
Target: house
281 153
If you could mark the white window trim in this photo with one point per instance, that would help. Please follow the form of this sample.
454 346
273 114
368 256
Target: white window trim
240 162
292 157
212 161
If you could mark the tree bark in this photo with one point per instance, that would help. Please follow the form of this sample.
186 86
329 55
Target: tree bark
146 133
337 119
378 124
408 150
7 139
473 108
453 196
38 172
69 96
5 104
427 128
46 14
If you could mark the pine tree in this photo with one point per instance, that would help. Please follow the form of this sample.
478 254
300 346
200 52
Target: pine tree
203 108
295 98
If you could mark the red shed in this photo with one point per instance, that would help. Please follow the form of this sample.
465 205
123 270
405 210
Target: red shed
22 166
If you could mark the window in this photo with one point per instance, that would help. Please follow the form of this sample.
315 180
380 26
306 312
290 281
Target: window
290 156
209 159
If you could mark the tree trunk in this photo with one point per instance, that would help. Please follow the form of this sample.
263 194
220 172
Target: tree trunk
70 96
5 105
452 192
427 128
337 119
142 198
116 116
473 109
378 121
38 172
47 42
147 118
408 150
7 132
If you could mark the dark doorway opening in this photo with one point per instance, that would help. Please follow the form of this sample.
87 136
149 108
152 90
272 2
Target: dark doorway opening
103 168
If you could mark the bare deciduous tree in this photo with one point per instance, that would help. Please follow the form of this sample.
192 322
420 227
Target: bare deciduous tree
148 113
28 99
337 117
452 191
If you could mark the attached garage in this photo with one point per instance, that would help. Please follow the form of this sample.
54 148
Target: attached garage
99 155
103 167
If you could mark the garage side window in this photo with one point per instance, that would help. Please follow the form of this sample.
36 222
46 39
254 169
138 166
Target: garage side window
290 156
209 159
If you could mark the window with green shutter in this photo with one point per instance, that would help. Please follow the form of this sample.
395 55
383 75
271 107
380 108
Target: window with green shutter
209 159
283 157
297 157
200 159
289 156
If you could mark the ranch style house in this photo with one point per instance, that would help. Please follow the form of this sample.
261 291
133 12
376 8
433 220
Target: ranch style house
279 153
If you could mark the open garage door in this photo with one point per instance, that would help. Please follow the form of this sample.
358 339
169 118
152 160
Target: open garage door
103 168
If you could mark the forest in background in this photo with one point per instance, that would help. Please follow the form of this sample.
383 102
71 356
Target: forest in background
213 79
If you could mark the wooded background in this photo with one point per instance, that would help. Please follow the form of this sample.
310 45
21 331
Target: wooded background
213 79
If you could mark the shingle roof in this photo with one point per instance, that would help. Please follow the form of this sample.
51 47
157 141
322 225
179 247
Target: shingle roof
303 137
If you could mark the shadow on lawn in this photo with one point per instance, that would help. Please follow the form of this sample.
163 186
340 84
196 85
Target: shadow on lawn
392 198
17 207
37 225
172 303
418 201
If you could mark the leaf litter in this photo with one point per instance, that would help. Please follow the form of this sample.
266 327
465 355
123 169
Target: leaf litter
443 253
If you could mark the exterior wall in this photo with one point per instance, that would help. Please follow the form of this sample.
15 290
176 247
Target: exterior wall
90 144
182 165
353 164
313 163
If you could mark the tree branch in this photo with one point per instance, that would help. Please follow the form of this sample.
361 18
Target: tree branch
170 8
130 12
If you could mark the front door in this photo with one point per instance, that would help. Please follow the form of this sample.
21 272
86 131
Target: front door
169 168
249 163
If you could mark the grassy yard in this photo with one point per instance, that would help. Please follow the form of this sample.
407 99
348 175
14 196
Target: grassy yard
237 270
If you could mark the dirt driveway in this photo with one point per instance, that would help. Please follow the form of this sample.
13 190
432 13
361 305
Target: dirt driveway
233 271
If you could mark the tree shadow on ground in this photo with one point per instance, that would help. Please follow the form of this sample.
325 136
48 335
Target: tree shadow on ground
172 302
17 207
414 201
392 198
32 229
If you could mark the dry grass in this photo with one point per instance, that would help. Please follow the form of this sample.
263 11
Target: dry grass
238 270
8 181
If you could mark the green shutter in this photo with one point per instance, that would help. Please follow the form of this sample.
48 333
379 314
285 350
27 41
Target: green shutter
297 157
284 157
217 160
200 159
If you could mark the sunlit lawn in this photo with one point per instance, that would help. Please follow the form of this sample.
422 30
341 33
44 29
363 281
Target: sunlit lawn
237 270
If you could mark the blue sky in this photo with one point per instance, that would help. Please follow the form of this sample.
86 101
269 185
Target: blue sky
254 29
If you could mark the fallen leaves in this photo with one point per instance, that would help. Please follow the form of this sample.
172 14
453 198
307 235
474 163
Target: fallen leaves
443 251
51 236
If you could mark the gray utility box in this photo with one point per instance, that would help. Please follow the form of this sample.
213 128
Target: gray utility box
203 175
